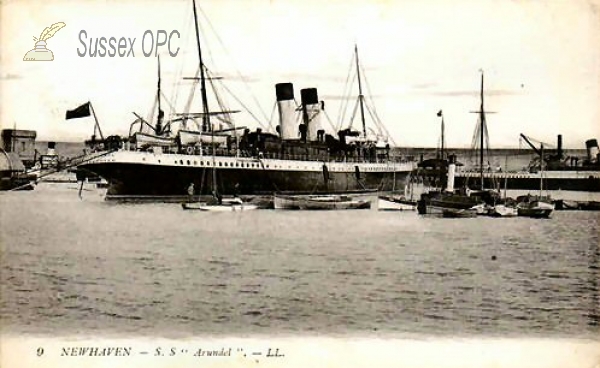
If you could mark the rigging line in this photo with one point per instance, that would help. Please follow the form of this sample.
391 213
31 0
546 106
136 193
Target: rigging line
346 102
475 139
329 121
376 118
207 49
373 114
244 106
150 116
382 129
270 128
218 95
194 86
487 137
178 74
220 102
346 91
353 113
239 74
167 100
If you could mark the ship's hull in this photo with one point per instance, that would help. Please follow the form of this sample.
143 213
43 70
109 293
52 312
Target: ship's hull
588 181
133 174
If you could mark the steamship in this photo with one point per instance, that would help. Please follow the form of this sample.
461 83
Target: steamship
161 162
561 172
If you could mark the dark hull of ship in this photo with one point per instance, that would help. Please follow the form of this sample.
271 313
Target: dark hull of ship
589 183
139 181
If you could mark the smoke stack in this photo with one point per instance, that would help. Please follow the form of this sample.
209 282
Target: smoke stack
51 149
311 112
451 171
285 105
592 150
559 151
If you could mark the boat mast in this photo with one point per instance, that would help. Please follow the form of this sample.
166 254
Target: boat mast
482 118
541 169
442 149
205 116
505 175
360 94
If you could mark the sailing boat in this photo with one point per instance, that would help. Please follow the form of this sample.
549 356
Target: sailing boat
218 204
539 206
448 201
433 171
506 208
396 202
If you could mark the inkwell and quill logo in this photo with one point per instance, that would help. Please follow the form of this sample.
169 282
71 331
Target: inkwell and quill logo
40 52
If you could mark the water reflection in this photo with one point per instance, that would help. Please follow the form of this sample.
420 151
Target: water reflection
593 276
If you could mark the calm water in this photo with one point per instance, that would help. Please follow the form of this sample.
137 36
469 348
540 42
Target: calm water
71 265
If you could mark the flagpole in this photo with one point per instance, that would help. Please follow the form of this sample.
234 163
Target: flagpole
96 119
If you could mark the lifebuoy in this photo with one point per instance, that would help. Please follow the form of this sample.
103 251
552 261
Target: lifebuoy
190 150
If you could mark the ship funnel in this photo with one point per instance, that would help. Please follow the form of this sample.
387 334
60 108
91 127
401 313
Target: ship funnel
592 150
311 112
559 151
51 149
285 105
451 171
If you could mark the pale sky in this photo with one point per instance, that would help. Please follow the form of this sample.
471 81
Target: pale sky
541 61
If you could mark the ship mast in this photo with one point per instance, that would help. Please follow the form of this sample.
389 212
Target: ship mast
161 114
205 116
482 126
360 94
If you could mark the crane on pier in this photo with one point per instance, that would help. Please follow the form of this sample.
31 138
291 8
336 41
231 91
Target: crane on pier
530 142
554 160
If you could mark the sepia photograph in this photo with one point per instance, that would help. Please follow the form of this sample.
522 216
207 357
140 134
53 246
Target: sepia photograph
286 183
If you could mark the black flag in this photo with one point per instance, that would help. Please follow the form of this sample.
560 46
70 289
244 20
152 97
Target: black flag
80 112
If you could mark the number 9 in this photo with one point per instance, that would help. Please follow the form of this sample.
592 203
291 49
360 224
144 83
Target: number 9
40 351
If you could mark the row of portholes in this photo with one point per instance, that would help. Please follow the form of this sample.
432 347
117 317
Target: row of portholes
255 165
237 164
226 164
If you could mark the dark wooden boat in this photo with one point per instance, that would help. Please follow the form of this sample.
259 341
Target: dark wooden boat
320 202
535 206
